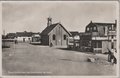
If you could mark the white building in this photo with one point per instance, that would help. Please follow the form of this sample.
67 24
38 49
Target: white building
24 36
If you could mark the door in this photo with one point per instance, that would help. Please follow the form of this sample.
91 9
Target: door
59 36
23 39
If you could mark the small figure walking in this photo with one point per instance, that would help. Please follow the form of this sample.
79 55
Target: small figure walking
16 40
111 57
51 44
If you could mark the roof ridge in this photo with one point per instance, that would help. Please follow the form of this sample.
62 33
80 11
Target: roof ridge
49 28
54 24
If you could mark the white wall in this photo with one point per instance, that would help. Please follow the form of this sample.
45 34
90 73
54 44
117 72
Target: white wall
20 39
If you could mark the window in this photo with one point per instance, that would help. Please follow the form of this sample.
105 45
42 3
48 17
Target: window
64 37
110 28
112 45
53 36
94 28
106 31
112 36
88 29
97 44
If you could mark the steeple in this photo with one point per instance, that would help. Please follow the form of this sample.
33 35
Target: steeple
49 21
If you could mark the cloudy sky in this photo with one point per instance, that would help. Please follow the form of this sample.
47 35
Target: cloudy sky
74 16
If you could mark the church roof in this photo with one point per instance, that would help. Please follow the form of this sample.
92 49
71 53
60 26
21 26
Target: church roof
48 29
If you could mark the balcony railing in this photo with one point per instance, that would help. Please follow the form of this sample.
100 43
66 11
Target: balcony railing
112 33
99 38
103 38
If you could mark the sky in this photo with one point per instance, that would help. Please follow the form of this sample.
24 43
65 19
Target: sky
18 16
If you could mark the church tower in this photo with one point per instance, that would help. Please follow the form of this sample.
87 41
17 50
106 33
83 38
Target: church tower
49 21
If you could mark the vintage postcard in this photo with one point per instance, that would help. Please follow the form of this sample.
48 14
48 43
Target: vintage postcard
60 38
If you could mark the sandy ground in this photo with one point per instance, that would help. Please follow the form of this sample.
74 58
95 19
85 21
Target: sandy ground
27 59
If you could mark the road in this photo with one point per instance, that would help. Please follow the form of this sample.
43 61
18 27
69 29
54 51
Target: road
27 59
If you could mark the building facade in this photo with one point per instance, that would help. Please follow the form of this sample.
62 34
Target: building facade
54 34
36 39
24 36
75 39
100 36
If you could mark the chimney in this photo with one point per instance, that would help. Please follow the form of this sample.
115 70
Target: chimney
91 21
49 21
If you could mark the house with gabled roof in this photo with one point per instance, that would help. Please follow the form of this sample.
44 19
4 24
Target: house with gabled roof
24 36
100 29
100 36
54 34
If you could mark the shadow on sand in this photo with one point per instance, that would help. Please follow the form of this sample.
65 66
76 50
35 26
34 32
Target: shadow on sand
38 44
75 49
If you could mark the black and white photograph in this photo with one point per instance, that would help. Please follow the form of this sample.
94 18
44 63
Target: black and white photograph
60 38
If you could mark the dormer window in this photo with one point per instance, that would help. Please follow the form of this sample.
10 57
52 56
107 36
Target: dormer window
88 28
95 28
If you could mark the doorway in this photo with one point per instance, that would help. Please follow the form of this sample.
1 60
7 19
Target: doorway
23 39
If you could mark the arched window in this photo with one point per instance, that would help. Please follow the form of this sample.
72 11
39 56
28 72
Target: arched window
53 36
64 37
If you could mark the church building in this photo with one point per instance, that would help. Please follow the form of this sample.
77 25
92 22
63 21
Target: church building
54 34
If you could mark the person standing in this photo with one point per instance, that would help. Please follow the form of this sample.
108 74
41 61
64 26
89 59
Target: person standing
16 40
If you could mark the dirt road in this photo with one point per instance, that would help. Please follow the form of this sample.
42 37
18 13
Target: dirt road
27 59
